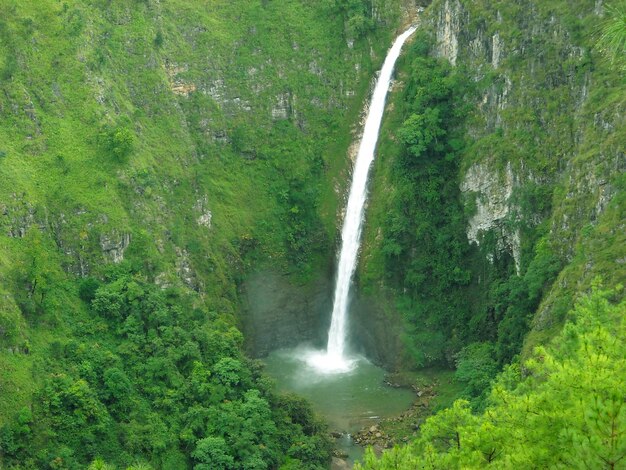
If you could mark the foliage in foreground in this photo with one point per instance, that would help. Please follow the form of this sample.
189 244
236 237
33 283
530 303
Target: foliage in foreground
563 409
612 40
151 378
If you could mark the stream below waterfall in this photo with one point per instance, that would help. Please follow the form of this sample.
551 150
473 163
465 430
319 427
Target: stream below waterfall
348 401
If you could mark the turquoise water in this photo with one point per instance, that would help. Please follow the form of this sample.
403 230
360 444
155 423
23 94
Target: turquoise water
348 401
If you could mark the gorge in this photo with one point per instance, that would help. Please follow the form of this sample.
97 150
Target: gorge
357 395
172 181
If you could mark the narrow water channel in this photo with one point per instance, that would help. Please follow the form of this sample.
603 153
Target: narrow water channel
348 401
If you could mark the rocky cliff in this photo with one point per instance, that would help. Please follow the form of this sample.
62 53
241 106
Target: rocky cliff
550 121
540 178
165 150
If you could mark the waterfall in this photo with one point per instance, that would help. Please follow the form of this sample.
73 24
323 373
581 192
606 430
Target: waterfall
335 359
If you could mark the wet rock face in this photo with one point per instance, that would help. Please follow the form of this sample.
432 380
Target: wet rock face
375 330
278 313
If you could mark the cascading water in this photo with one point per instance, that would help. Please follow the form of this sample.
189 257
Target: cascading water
354 400
335 359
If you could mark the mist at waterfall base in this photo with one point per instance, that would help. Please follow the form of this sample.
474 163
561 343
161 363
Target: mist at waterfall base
347 401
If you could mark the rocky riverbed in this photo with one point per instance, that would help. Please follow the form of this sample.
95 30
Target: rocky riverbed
398 429
394 430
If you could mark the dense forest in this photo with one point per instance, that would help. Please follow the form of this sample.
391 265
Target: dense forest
155 155
563 409
503 150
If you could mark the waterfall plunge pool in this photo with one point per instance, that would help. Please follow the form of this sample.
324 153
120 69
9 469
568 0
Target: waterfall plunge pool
348 391
348 401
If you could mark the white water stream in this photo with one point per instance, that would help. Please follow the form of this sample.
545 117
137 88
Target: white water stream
335 358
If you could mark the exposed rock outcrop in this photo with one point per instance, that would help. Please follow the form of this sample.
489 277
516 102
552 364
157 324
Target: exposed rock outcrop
448 28
541 128
17 216
114 245
491 192
376 329
204 215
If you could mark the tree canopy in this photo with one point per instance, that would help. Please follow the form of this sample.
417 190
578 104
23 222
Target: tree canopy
563 408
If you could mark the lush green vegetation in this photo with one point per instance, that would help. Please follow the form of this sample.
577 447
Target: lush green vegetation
565 410
612 40
559 404
151 154
421 248
422 226
148 375
473 306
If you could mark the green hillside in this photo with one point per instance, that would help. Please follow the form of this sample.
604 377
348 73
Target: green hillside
155 154
150 153
509 134
498 197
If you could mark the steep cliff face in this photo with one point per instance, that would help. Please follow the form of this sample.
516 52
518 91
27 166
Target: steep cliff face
491 194
542 182
540 177
174 144
280 313
165 150
549 120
